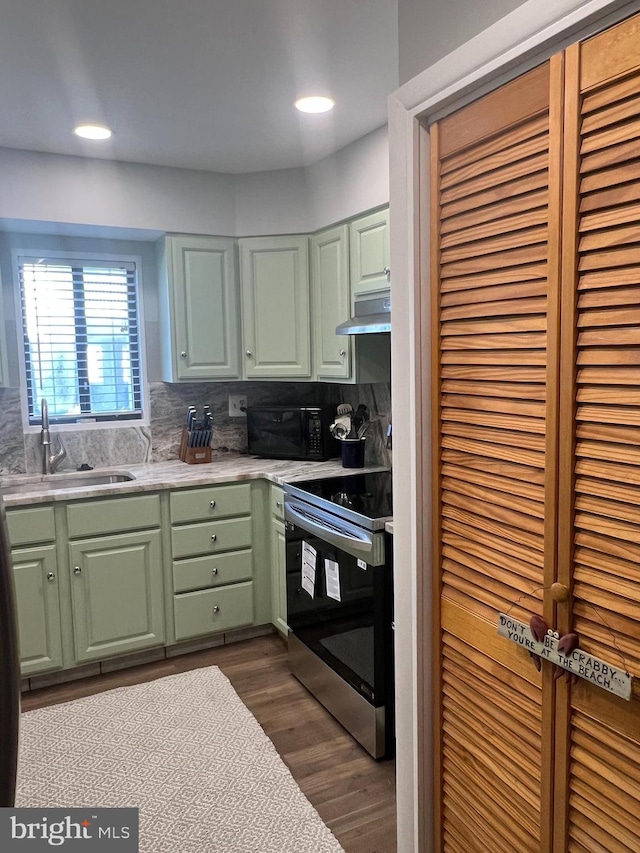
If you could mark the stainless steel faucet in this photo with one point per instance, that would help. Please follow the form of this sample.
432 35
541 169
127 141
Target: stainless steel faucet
50 461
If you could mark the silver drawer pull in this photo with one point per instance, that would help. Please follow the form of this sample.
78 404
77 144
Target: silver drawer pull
213 537
216 609
343 352
212 504
214 571
278 504
50 576
183 354
77 570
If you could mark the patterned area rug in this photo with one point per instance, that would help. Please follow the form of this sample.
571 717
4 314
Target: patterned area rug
184 750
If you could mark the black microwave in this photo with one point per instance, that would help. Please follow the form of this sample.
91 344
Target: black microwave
291 432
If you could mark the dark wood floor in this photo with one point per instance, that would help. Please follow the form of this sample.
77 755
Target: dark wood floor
353 794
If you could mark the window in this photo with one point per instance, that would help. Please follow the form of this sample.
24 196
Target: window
81 339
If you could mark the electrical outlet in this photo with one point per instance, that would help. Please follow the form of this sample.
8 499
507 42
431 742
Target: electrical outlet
237 406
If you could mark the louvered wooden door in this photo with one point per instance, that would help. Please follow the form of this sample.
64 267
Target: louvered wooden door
598 746
536 391
496 215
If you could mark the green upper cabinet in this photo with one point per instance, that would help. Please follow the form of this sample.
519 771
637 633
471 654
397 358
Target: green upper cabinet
201 308
331 302
369 250
275 307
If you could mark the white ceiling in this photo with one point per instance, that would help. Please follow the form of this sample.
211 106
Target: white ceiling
199 84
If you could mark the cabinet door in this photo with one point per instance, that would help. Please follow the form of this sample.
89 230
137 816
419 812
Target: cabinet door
203 286
35 573
117 594
369 250
275 302
495 182
331 303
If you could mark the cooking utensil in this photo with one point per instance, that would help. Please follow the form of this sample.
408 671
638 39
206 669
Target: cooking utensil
341 428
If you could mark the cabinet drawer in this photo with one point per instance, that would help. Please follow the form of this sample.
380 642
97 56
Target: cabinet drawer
210 503
30 526
191 540
213 610
113 516
277 502
201 572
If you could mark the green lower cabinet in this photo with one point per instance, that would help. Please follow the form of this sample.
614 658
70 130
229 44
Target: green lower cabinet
35 573
208 611
117 594
279 576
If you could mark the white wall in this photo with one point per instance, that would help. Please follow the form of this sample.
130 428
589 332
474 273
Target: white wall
351 181
57 188
52 188
430 29
272 203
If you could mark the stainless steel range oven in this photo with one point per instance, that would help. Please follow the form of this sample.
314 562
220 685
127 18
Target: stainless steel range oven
340 600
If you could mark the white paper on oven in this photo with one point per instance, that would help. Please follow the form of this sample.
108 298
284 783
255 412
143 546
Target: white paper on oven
309 559
332 576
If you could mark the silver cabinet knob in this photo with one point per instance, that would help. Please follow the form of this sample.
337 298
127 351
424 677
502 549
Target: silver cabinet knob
216 609
77 570
183 354
212 504
214 571
213 537
50 576
387 272
278 504
248 353
343 352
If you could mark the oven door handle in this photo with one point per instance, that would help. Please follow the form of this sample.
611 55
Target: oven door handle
353 541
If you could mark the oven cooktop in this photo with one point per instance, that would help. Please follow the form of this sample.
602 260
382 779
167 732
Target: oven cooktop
365 495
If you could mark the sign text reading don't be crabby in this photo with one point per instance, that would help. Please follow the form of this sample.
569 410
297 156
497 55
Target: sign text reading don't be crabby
611 678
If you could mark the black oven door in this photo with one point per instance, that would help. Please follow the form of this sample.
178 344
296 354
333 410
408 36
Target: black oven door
338 603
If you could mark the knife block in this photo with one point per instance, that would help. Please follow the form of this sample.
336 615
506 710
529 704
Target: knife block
193 455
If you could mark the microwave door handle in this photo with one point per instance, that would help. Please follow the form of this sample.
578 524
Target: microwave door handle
333 536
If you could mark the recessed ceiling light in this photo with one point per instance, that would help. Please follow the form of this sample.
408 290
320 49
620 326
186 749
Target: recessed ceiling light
92 131
315 104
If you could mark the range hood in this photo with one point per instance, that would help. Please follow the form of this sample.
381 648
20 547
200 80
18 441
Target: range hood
371 313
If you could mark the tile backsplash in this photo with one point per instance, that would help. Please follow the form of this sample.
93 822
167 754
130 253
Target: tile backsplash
159 442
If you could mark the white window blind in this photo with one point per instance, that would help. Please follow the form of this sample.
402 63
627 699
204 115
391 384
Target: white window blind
81 339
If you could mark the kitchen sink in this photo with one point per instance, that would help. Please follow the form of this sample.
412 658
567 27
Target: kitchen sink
56 482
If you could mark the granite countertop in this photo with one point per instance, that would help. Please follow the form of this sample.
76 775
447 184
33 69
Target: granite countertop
153 476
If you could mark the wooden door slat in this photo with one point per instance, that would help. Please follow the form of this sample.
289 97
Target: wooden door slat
499 293
479 310
609 298
495 245
504 209
504 157
513 136
612 112
506 390
531 491
527 185
463 429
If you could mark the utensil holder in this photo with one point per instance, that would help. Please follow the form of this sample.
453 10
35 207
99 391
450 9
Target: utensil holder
193 455
353 452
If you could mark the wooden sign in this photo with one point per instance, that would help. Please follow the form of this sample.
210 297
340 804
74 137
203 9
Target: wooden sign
611 678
